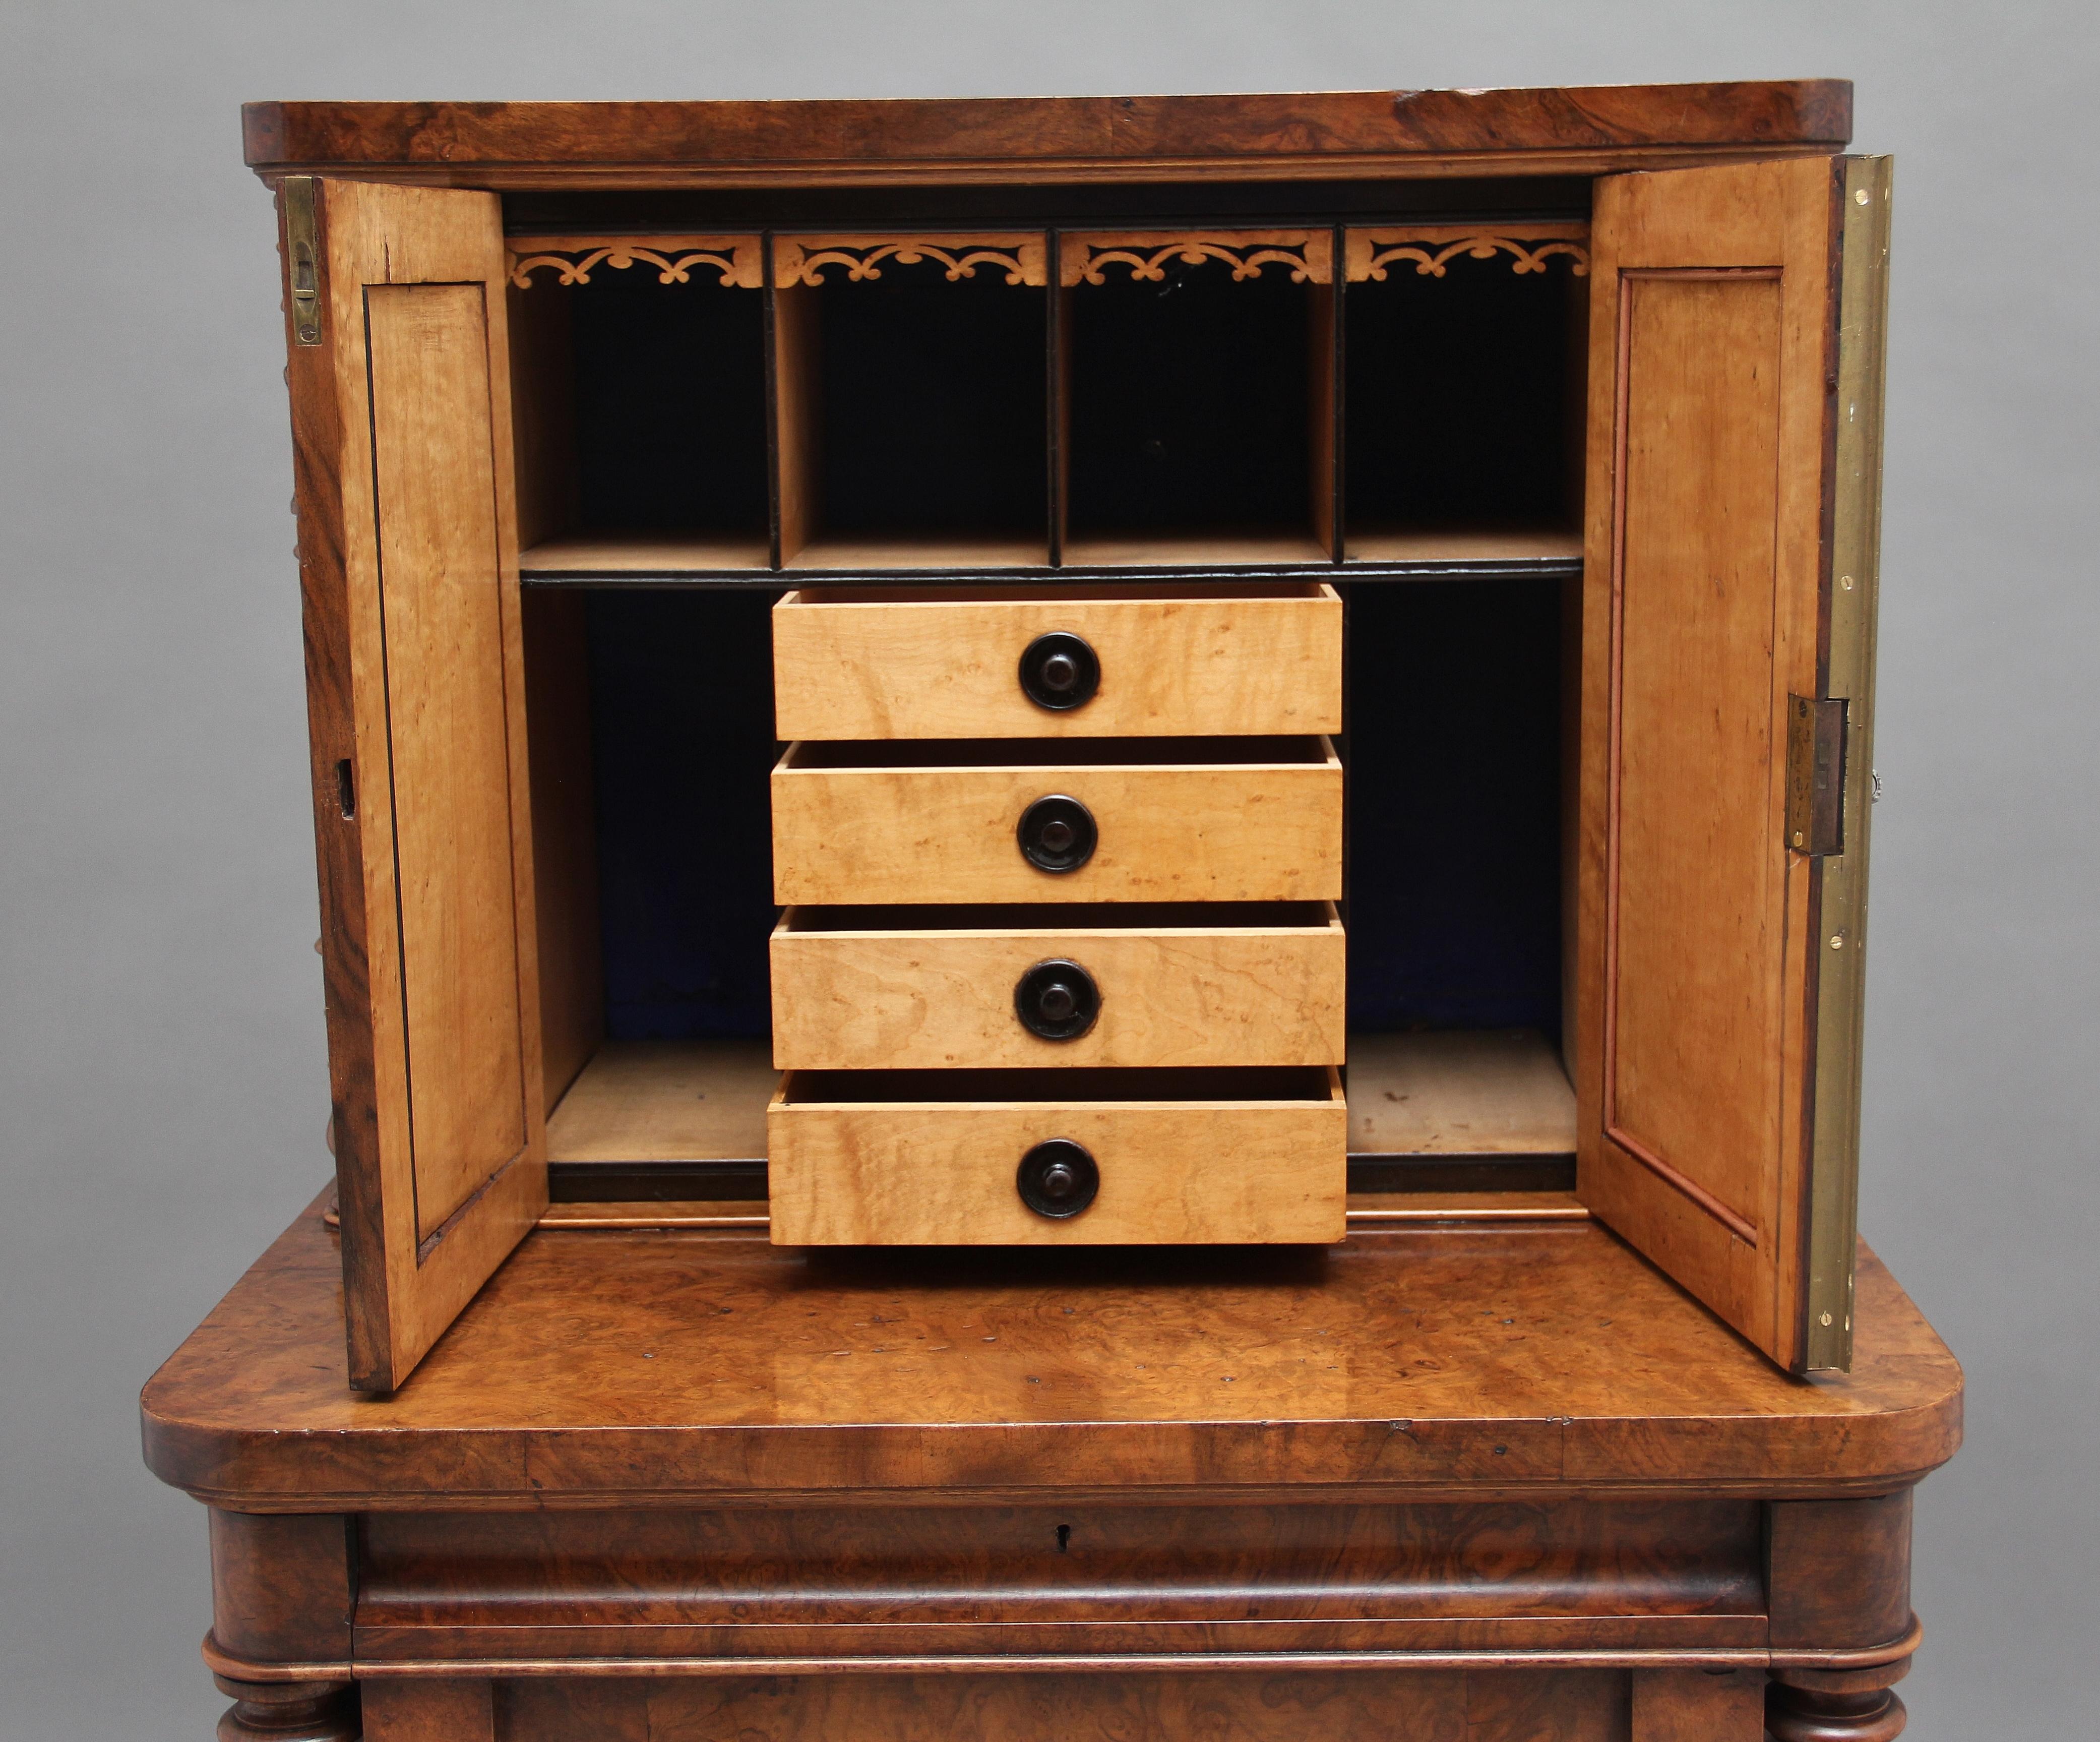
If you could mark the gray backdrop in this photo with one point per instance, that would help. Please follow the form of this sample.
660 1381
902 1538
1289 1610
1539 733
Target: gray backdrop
164 1083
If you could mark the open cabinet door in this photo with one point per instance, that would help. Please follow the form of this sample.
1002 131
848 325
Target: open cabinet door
408 557
1733 503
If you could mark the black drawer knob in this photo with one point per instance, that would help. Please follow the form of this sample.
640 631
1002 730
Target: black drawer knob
1058 1179
1057 999
1057 834
1060 671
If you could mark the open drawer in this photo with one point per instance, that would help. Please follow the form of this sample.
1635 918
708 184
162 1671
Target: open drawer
1126 983
1076 660
1116 820
1080 1157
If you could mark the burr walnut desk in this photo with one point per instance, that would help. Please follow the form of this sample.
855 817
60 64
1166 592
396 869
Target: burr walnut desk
1093 889
1489 1481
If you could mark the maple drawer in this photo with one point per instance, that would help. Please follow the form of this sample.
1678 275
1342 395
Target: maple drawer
1074 661
860 988
1142 819
945 1158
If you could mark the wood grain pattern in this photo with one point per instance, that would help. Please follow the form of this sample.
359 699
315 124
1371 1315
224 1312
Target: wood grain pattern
1224 1166
1198 659
1564 1705
1278 550
296 1712
1372 1209
1273 1708
846 552
1372 543
1840 1570
280 1586
1350 133
434 1711
1697 1706
442 630
564 838
729 1214
796 416
918 988
1367 1211
581 555
1693 1044
1536 1359
448 1175
864 824
1496 1091
1323 426
543 425
1711 325
666 1101
856 1583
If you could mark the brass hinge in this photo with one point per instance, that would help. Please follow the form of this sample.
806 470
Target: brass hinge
1816 775
303 244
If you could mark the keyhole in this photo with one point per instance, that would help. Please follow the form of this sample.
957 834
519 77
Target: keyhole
1063 1539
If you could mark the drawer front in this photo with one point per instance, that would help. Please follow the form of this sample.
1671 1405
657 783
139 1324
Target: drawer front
1213 661
946 1172
936 999
1227 832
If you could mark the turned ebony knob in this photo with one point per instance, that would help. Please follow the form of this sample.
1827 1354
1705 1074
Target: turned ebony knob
1060 671
1057 834
1058 1179
1056 999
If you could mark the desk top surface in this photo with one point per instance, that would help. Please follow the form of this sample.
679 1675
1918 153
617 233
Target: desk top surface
607 1368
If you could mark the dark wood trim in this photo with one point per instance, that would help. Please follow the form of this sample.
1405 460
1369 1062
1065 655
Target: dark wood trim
1574 130
1838 1570
1485 568
282 1587
317 504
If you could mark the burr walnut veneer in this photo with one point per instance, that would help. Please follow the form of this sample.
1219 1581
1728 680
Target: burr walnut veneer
1094 895
1456 1481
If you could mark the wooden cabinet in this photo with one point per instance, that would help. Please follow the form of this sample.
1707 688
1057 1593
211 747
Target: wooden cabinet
1388 606
1231 736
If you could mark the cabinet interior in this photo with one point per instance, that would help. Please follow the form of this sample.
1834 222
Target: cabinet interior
1410 434
652 745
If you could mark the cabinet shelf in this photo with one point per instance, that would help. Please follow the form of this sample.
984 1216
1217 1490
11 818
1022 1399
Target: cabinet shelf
1196 551
1462 547
916 553
1473 1093
621 556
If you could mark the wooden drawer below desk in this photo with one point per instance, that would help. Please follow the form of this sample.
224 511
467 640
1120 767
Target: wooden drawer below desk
1200 820
1199 984
920 1158
1194 658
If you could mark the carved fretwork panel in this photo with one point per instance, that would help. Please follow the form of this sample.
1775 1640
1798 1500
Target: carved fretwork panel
739 260
1021 258
1305 256
1430 248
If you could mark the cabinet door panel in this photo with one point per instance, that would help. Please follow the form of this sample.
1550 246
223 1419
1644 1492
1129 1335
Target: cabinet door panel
407 557
1702 987
439 577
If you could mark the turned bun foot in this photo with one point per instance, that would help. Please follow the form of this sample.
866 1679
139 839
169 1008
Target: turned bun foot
1829 1714
289 1712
